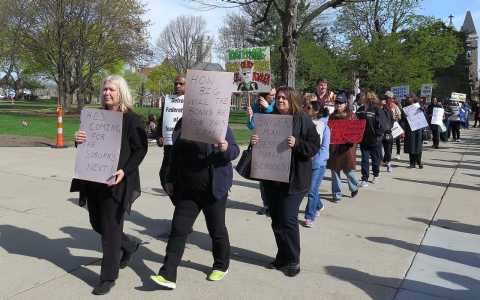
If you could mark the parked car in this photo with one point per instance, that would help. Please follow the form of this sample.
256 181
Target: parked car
31 97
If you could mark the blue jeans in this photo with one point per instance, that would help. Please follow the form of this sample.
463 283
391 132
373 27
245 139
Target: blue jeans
314 203
374 152
337 182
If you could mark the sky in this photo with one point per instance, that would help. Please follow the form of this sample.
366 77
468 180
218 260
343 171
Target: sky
163 11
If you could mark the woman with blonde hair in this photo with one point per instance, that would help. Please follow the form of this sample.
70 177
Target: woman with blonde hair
107 204
375 126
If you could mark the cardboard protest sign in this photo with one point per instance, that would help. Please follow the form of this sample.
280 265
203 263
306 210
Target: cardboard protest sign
456 113
206 106
320 128
426 91
397 130
458 96
271 156
415 117
400 91
346 130
172 112
251 67
437 117
97 157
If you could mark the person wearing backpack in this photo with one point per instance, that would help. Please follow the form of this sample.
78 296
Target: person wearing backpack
375 126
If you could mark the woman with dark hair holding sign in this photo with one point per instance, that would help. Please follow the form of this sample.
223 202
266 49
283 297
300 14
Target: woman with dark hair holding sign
283 198
343 157
107 204
201 175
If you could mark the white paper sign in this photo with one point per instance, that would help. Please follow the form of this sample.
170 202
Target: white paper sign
320 125
396 130
400 91
97 157
458 96
172 112
415 117
206 107
437 117
271 155
427 91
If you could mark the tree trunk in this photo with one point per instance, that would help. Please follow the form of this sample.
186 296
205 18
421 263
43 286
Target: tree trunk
290 44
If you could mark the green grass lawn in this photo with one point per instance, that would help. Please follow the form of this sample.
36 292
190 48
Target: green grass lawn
45 124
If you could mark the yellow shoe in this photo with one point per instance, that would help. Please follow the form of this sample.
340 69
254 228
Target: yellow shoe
217 275
163 282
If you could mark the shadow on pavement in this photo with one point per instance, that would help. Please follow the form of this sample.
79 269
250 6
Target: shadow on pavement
450 224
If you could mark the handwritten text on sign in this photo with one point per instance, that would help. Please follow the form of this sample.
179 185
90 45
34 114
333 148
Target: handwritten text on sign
396 130
206 107
172 112
346 130
437 117
415 116
97 157
271 155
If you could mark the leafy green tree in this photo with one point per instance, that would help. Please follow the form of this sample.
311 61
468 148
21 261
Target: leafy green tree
160 80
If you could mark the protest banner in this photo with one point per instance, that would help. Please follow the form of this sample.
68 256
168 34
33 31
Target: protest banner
346 130
437 117
396 129
97 157
426 91
271 155
251 68
458 96
172 112
206 106
400 91
456 113
415 117
320 125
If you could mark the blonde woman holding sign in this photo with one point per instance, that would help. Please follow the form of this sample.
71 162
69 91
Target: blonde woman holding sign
284 198
107 204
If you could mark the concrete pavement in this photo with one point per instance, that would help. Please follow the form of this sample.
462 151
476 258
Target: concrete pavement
415 235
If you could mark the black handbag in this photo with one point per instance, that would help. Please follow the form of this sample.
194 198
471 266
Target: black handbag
244 165
426 134
388 138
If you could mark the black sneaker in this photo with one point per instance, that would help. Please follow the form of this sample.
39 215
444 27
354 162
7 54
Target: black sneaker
276 264
104 287
293 269
354 194
262 211
127 257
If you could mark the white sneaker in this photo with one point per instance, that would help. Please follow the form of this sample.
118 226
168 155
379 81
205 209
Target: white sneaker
389 168
425 142
364 184
375 180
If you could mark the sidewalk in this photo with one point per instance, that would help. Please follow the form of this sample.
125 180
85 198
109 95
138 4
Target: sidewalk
415 235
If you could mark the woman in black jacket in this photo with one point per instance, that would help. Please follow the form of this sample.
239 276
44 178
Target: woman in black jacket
387 144
413 143
284 199
107 204
433 127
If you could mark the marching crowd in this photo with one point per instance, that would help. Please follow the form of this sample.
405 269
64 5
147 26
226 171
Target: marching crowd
197 176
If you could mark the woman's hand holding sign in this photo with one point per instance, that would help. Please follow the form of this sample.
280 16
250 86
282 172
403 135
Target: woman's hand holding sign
120 174
222 146
291 141
254 140
80 137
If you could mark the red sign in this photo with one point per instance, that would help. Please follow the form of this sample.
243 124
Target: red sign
346 130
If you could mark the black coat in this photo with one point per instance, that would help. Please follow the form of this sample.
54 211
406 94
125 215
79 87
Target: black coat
413 142
134 147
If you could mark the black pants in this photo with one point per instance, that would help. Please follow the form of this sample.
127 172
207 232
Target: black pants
399 145
435 135
106 217
185 214
476 119
444 136
415 159
455 125
387 149
164 169
284 210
